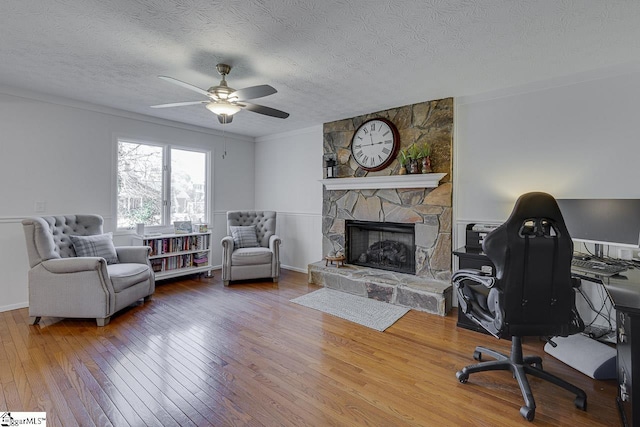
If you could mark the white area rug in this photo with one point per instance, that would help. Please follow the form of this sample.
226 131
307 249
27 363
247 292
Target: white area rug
368 312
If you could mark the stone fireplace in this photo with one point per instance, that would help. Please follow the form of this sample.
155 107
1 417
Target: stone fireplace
384 245
427 210
424 208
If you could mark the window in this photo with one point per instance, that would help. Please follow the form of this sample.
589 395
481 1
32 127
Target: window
160 184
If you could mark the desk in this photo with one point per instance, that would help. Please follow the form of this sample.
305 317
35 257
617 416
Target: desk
624 290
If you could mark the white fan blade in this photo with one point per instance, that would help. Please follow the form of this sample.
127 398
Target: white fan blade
267 111
179 104
253 92
185 85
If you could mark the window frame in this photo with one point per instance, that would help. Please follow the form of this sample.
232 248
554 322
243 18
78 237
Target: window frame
167 225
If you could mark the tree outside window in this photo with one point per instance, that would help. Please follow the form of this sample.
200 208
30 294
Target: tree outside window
144 178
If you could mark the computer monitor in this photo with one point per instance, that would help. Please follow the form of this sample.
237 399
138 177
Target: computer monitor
613 222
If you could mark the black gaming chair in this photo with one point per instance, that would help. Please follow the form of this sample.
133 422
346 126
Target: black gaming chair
532 294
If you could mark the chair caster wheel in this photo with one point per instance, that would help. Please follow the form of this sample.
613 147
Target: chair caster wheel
477 355
527 413
462 376
581 402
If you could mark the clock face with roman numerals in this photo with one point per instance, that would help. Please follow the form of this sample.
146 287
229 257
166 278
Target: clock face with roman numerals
375 144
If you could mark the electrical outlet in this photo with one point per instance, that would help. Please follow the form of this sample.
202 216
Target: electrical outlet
40 206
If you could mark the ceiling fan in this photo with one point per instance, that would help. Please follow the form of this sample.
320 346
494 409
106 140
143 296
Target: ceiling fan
225 101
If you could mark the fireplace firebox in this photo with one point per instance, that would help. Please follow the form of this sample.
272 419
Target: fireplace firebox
383 245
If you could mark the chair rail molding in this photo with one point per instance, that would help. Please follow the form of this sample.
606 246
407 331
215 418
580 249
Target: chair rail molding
425 180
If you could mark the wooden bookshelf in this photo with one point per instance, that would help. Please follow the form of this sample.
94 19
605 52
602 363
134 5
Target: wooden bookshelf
174 255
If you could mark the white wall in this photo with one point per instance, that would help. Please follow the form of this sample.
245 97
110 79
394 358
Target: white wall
572 140
61 152
288 170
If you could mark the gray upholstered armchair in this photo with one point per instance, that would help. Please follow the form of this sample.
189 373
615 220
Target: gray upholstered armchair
251 249
64 282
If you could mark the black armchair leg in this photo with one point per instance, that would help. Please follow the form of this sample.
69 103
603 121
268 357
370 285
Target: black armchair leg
520 366
492 365
528 411
484 350
581 396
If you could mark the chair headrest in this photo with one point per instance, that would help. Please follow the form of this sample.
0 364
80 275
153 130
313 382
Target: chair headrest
535 205
534 215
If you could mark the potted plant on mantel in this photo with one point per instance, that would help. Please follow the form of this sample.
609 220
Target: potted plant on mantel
413 152
425 154
417 157
402 159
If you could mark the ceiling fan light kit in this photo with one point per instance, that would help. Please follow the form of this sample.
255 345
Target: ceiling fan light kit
223 107
224 101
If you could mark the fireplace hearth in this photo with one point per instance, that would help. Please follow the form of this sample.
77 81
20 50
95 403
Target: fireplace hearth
383 245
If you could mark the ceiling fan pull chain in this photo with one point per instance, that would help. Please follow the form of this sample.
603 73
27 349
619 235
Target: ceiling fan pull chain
224 140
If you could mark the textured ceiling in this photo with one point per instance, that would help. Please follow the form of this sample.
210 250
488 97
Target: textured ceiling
329 59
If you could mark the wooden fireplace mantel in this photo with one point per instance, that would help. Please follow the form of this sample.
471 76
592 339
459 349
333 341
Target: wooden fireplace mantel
425 180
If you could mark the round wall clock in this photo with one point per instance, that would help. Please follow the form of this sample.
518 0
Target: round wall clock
375 144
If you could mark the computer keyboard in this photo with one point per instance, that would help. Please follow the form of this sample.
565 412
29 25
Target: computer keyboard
596 267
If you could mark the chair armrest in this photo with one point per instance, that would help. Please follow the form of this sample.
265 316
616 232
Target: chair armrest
478 276
473 271
73 265
227 250
274 246
274 241
227 243
481 304
133 254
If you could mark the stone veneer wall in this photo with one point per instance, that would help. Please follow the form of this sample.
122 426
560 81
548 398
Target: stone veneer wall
429 209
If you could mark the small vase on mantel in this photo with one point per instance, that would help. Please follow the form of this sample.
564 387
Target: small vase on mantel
413 166
426 164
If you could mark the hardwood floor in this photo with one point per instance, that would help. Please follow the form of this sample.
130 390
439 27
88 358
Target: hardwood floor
202 354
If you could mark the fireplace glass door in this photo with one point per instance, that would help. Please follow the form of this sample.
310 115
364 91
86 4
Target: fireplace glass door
383 245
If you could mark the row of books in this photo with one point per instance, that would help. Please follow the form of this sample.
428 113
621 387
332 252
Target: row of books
178 244
198 259
201 258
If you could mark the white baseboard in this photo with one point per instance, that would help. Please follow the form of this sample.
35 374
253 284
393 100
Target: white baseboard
299 270
14 306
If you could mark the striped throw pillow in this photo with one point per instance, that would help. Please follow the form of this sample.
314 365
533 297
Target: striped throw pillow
100 245
244 236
